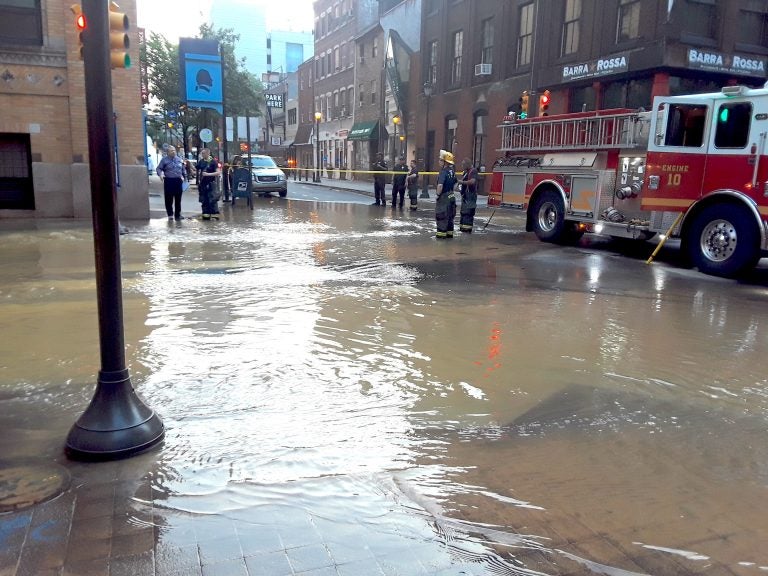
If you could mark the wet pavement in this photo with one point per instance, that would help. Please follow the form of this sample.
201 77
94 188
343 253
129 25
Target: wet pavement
344 394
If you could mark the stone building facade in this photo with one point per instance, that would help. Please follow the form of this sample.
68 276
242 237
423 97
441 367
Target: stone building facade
44 169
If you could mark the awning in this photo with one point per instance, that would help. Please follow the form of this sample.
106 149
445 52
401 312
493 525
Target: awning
364 131
303 135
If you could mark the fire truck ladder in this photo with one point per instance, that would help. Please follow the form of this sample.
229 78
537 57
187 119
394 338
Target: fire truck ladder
600 130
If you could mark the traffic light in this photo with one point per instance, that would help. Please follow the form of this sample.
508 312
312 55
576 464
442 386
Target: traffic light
524 105
80 26
544 104
118 37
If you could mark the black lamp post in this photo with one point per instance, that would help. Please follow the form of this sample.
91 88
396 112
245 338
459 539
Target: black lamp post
317 145
425 188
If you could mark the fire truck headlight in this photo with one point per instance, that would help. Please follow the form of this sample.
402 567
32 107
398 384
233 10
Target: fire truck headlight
599 228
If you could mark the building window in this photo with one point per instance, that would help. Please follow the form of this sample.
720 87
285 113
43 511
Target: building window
486 34
570 41
451 125
292 116
525 36
362 53
21 22
432 6
16 189
337 59
458 41
360 95
478 147
628 21
701 18
375 47
350 100
373 91
753 24
432 68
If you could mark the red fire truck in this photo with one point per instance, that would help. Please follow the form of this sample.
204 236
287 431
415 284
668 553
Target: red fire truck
694 166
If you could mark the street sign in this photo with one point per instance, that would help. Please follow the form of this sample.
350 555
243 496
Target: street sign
206 135
274 100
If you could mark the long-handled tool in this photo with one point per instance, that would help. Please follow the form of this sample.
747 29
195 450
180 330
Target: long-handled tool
663 240
489 219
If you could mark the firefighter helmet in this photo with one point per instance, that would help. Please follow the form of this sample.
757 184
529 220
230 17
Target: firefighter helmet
446 156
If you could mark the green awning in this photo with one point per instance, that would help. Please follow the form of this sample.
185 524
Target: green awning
364 131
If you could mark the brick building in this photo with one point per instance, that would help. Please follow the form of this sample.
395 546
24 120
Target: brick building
479 56
369 135
337 24
303 142
43 140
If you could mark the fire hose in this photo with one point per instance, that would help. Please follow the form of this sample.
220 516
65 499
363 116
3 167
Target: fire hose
663 240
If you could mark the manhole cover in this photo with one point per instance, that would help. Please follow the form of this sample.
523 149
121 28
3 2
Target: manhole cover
23 485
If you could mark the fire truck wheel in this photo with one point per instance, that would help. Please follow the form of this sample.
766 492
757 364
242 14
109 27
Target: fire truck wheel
723 241
548 217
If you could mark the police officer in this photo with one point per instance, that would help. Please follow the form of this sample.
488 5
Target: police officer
445 205
468 196
398 182
207 171
378 181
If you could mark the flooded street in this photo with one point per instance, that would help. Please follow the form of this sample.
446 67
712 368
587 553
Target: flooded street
332 374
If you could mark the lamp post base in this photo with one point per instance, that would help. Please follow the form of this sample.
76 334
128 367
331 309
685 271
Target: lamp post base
116 424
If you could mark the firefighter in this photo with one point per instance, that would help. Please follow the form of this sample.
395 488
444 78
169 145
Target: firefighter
445 205
379 182
398 182
413 184
468 196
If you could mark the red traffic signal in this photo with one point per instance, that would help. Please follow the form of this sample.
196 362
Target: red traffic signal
544 103
80 25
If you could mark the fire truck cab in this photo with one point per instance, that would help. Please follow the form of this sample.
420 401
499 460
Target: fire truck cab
694 166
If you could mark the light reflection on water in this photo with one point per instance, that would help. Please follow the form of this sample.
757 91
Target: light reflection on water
530 409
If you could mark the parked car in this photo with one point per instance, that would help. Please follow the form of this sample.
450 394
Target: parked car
266 176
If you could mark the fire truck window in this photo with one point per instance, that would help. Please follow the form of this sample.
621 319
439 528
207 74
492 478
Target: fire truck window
685 125
733 125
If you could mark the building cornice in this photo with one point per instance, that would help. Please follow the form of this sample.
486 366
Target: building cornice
48 58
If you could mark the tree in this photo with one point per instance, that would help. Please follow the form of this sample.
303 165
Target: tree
244 91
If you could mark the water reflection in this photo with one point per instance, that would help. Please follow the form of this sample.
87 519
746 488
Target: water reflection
509 406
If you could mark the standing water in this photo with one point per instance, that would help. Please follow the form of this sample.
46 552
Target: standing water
335 379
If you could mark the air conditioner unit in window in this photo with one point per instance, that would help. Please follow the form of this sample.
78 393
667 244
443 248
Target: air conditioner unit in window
482 69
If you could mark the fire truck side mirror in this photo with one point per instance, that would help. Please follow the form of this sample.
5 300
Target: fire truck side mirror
658 139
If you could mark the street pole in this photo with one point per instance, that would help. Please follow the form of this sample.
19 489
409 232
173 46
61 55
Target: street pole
317 145
425 188
116 423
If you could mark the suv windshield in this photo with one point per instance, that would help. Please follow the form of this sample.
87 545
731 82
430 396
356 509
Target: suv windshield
263 163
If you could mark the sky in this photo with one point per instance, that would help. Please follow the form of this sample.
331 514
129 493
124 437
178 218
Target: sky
182 18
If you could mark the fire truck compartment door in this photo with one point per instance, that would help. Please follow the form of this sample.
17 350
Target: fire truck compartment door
513 190
569 159
584 195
